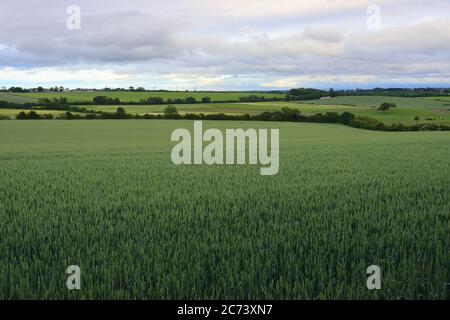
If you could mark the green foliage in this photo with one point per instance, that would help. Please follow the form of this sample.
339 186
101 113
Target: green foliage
155 100
306 94
385 106
171 112
347 117
105 100
33 115
81 97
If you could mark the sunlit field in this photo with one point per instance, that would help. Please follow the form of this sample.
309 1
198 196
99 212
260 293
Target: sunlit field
84 96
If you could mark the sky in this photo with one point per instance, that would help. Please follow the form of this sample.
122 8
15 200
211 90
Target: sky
225 45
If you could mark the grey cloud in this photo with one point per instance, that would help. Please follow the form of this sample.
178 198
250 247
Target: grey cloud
209 38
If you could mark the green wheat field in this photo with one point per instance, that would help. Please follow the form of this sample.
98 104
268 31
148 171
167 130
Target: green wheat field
105 195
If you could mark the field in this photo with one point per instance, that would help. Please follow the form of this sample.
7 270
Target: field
104 195
402 114
429 110
13 112
443 98
137 96
12 98
375 101
229 108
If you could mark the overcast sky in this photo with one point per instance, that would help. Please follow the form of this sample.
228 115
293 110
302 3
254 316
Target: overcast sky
225 44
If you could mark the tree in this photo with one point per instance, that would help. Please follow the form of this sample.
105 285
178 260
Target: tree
33 115
63 101
307 94
190 100
21 115
120 113
347 117
16 89
290 114
155 100
105 100
416 118
171 112
100 100
385 106
206 100
45 101
69 115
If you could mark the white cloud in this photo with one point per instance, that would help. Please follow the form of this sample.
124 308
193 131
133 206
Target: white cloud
225 44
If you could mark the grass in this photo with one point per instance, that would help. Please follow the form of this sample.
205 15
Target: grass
375 101
429 110
13 112
401 114
104 195
13 98
443 98
137 96
229 108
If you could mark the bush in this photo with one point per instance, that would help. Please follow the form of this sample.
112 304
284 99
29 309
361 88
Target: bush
386 106
33 115
347 117
190 100
105 100
170 112
155 100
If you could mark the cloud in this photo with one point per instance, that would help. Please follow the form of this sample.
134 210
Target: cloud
225 44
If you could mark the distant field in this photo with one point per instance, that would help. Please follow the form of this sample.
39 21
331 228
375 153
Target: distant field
13 98
13 112
375 101
407 108
137 96
229 108
436 110
399 115
443 98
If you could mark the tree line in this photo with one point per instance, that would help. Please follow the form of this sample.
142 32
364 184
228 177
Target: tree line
284 115
104 100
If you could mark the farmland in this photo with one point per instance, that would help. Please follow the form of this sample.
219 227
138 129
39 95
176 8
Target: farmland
402 114
13 98
104 195
83 96
428 110
13 112
443 98
375 101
